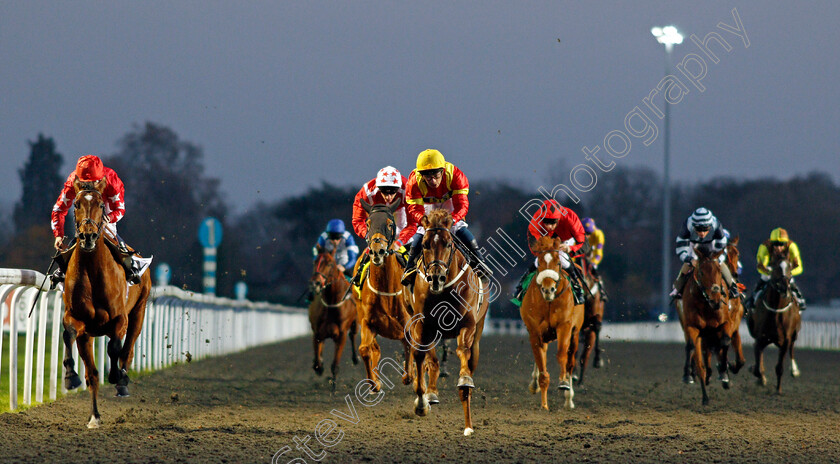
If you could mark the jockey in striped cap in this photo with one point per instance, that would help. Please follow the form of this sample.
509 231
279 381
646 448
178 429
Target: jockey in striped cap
702 231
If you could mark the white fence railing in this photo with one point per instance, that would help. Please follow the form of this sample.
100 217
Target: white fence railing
823 335
178 326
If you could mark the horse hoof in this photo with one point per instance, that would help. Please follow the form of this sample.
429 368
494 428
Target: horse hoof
468 431
564 385
406 380
432 398
687 379
599 363
725 384
319 368
705 401
122 391
575 377
533 387
465 381
94 423
443 373
421 409
355 360
72 382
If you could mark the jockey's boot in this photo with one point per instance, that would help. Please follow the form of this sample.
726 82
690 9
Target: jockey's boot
131 269
577 284
519 293
411 265
679 284
468 239
759 290
604 296
734 290
357 279
58 275
799 298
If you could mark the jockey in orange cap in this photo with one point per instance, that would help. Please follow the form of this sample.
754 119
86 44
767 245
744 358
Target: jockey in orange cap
553 220
89 168
387 187
436 184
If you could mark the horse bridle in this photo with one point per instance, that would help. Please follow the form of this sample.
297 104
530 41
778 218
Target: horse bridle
392 229
786 294
703 292
439 262
88 220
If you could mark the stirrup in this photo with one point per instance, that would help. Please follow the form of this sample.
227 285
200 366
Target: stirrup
408 276
56 278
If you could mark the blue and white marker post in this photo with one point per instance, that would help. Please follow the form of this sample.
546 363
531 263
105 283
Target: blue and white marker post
210 235
162 273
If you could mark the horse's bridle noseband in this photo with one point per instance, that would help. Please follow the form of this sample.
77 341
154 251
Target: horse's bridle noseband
697 272
438 262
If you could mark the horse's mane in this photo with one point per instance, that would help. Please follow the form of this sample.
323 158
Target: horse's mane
439 218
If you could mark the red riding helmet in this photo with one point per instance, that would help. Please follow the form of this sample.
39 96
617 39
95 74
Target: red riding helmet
89 168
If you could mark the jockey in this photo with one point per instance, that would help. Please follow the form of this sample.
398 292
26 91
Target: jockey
595 237
89 168
702 230
387 187
778 239
336 237
433 185
553 220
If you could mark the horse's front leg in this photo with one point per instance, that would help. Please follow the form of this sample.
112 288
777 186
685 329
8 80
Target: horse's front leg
352 336
693 334
85 344
758 367
421 403
465 339
340 341
540 375
408 376
318 345
739 353
588 346
780 366
369 352
564 350
688 368
433 369
71 377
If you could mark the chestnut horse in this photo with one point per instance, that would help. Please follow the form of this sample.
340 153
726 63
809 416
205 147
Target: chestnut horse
97 300
449 300
593 316
735 315
775 318
381 307
549 312
332 312
709 319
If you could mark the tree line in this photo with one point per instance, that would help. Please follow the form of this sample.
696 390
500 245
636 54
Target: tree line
269 246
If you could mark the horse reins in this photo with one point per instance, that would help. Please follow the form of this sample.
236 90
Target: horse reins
328 282
439 262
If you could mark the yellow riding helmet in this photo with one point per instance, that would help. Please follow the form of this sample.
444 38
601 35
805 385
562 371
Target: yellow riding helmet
430 159
779 235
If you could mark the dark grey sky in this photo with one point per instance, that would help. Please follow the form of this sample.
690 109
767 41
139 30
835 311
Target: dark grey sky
282 95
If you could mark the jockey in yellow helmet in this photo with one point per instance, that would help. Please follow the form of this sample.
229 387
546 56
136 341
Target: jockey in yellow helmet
437 184
778 240
595 237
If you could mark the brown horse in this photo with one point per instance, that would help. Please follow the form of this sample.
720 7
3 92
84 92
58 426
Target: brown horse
735 315
449 300
708 319
593 317
381 308
332 313
549 312
776 318
97 300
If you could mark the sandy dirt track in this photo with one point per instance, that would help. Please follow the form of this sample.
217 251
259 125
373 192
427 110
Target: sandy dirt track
247 406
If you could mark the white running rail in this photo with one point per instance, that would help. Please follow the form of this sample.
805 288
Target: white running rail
178 326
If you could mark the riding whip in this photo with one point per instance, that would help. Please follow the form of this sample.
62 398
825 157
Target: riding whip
46 275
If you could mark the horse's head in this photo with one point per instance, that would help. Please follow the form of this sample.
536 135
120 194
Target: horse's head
438 248
548 268
89 211
732 255
780 268
324 271
382 230
709 279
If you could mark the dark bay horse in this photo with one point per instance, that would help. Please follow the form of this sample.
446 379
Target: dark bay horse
593 317
735 315
97 300
332 312
775 318
549 312
449 300
381 306
708 317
